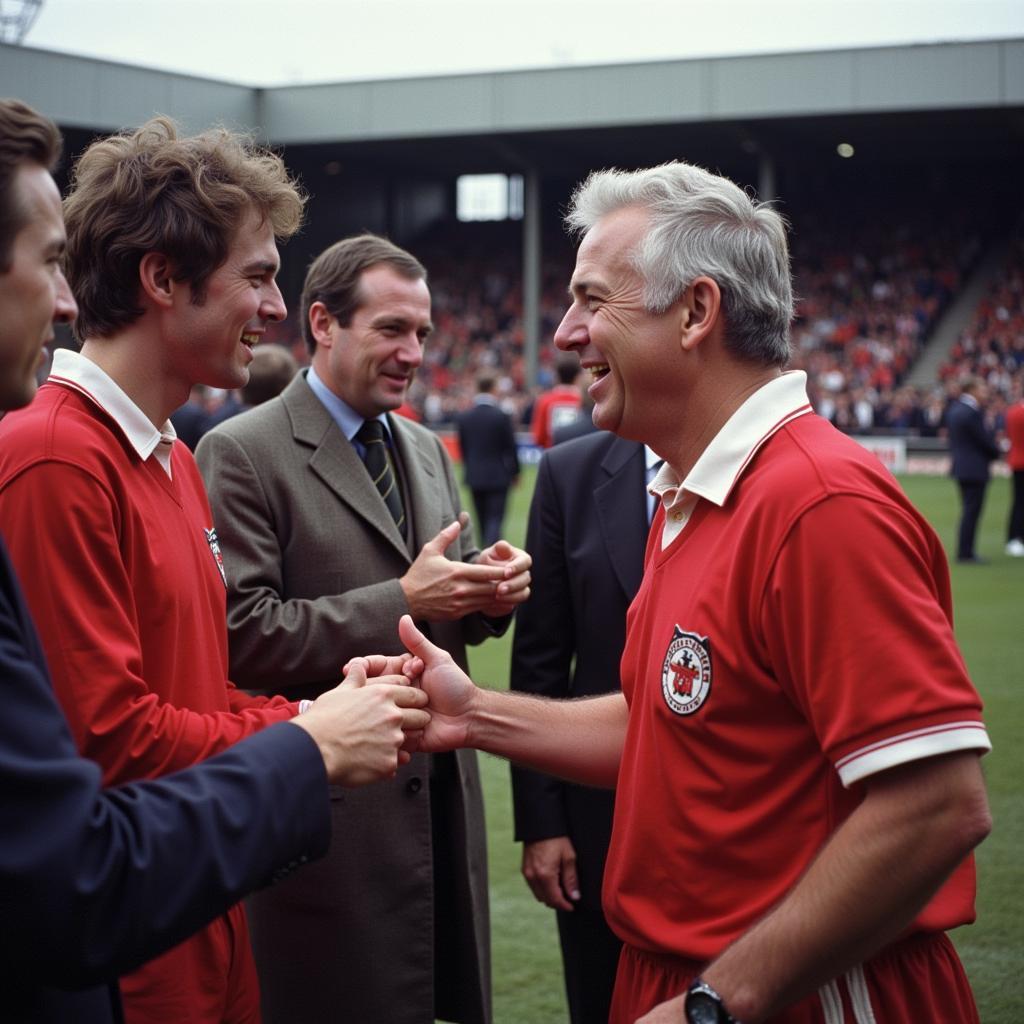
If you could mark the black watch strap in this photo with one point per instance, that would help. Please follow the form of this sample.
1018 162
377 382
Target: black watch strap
703 1005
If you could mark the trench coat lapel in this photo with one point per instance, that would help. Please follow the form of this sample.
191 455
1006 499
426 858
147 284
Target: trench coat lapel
335 461
624 528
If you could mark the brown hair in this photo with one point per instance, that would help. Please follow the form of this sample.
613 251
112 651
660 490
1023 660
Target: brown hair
333 277
270 372
152 190
25 137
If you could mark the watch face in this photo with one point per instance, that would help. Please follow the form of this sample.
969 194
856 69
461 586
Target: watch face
701 1009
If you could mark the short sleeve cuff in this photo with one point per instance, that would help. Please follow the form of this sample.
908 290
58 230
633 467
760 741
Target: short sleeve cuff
912 746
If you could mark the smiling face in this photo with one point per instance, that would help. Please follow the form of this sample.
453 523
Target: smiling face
211 342
370 363
626 349
33 292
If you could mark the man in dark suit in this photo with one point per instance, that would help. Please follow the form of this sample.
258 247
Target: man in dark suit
586 534
972 447
92 880
489 458
336 517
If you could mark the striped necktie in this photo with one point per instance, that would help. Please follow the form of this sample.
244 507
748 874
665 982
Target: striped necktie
378 465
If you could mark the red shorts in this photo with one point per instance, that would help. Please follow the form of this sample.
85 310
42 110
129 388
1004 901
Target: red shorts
209 978
918 979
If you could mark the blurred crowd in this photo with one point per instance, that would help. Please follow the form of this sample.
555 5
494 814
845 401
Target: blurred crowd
992 346
869 296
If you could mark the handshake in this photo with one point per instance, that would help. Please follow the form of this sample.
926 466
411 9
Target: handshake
387 707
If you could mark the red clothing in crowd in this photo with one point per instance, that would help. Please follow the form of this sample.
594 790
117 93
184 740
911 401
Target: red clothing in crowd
552 409
122 572
1015 434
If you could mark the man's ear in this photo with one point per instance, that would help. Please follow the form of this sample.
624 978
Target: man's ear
320 321
700 306
156 278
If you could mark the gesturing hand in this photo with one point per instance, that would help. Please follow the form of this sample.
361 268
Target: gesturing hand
443 589
452 694
515 587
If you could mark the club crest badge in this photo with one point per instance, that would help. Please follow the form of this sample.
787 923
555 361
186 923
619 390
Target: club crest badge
686 672
211 539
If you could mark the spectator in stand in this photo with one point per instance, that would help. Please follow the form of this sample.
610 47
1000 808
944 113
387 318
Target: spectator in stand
868 305
558 406
992 345
972 447
1015 460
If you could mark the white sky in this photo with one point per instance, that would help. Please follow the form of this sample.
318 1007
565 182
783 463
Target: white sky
274 42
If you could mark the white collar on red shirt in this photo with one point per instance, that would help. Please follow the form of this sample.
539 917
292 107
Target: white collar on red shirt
73 370
721 464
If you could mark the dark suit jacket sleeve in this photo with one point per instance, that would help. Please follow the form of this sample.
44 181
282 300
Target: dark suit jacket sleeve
542 653
94 882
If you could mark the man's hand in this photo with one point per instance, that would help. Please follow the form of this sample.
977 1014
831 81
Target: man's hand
549 867
439 588
515 587
361 729
451 693
665 1013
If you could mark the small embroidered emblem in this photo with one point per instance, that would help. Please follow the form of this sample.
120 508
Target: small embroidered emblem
211 539
686 672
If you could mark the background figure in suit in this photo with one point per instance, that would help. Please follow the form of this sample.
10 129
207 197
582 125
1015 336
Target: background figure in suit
587 530
92 881
324 552
972 447
489 458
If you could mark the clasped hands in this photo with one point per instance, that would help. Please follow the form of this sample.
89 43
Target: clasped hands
447 696
364 732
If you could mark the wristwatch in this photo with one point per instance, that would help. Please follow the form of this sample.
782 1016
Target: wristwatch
704 1005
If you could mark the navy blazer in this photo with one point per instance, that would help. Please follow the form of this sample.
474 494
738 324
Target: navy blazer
587 532
95 882
971 444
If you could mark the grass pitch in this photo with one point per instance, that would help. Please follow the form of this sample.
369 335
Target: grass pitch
989 618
